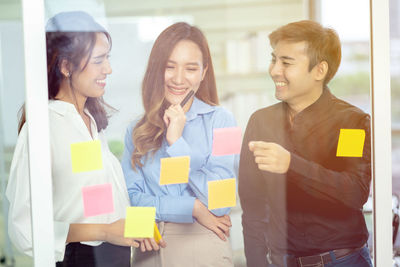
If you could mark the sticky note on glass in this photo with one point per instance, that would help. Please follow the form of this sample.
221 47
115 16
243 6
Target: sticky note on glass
86 156
351 143
174 170
139 222
222 193
227 141
157 235
97 199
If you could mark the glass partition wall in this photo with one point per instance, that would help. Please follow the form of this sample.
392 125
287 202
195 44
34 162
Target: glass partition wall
237 33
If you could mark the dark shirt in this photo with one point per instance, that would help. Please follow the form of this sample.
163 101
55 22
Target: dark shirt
317 205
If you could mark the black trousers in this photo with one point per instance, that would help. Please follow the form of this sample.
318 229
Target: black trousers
104 255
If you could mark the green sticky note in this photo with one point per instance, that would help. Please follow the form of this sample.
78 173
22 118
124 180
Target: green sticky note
86 156
351 143
174 170
222 193
139 222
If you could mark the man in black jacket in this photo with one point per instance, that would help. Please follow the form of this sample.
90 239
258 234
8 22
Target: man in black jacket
302 202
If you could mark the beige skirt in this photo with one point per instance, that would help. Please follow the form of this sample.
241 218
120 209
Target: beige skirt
188 245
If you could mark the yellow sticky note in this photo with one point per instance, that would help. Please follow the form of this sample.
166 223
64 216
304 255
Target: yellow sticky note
139 222
86 156
174 170
221 193
351 143
157 235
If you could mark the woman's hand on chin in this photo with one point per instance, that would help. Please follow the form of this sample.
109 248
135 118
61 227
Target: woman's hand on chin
175 119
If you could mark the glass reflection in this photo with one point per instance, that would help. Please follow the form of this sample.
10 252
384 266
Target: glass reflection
238 38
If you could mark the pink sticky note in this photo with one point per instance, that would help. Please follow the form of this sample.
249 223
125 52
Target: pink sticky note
227 141
97 199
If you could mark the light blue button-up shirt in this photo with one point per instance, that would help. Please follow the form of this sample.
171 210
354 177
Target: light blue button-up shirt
174 203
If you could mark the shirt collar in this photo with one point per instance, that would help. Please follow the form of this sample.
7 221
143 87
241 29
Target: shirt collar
315 112
198 107
61 107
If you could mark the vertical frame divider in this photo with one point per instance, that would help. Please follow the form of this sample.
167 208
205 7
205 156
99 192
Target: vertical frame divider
381 131
38 132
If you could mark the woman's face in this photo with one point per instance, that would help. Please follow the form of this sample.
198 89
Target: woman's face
184 71
91 81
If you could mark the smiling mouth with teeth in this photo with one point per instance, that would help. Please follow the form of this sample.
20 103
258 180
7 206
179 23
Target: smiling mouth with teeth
177 91
101 83
280 84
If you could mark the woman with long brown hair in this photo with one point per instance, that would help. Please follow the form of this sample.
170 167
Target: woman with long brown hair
180 63
77 67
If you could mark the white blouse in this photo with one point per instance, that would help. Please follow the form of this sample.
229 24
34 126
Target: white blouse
66 128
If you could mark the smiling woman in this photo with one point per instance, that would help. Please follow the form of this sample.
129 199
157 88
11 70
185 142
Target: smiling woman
180 63
94 68
161 72
184 72
87 79
77 65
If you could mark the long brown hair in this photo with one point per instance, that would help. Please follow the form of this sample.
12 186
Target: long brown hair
149 131
71 36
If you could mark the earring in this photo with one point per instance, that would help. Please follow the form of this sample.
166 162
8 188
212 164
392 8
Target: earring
66 74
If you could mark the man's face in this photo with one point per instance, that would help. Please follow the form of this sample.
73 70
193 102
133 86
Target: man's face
289 69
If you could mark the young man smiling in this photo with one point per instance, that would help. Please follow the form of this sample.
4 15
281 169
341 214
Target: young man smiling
302 204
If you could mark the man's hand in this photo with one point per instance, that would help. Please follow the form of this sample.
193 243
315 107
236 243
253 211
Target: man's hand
270 156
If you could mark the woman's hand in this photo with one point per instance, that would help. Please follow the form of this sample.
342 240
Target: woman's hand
149 244
219 225
175 119
114 234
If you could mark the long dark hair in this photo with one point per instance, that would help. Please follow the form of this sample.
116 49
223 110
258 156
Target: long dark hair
149 131
71 36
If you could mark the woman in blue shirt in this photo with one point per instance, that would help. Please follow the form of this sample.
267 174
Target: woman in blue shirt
180 62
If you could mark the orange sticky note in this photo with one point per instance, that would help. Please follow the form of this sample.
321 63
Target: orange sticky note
139 222
86 156
157 235
226 141
174 170
351 143
222 193
97 199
